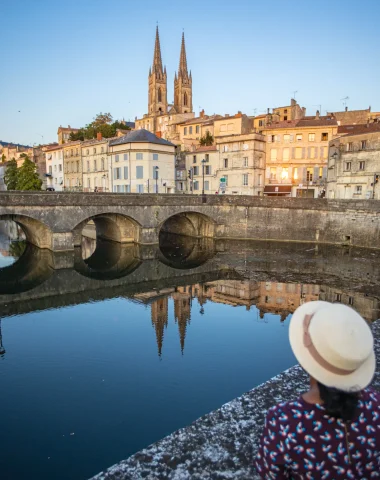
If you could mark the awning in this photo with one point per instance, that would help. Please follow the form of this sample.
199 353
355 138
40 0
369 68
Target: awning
278 189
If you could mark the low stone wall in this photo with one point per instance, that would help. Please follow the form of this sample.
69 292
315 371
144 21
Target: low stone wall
222 444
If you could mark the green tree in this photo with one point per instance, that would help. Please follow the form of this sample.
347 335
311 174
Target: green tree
11 175
101 124
27 178
207 140
3 158
102 118
17 248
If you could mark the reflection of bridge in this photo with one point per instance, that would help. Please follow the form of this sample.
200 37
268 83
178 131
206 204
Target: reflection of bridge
55 221
41 280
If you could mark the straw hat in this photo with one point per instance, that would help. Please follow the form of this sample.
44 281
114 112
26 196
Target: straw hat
334 344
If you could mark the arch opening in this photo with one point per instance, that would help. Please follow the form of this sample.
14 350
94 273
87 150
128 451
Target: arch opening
190 224
35 232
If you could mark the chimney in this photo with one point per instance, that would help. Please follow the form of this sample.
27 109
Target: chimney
293 102
202 113
227 115
99 136
317 115
268 110
368 123
346 109
68 126
303 111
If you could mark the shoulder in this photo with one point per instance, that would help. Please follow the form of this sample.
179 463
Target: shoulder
283 412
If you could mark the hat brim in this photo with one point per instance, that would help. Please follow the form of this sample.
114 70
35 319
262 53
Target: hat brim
356 381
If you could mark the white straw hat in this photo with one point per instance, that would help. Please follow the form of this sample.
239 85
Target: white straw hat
334 344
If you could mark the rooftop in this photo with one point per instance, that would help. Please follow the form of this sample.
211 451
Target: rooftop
322 121
358 129
140 136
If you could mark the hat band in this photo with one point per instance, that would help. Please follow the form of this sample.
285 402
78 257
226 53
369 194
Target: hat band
308 343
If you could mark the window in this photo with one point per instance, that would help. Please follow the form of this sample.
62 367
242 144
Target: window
320 172
102 163
139 156
285 173
139 172
298 152
95 167
299 137
309 175
71 152
286 138
260 179
190 130
311 137
116 158
245 179
285 111
159 95
125 157
102 150
185 131
78 170
117 173
261 123
338 297
207 169
273 138
350 147
87 151
273 172
245 161
60 167
89 183
50 170
295 173
347 166
225 148
273 154
94 151
195 170
196 185
362 165
155 156
351 300
358 189
185 99
125 173
223 128
207 157
197 129
88 165
285 154
324 137
225 162
140 188
207 185
363 144
194 159
77 151
285 117
127 188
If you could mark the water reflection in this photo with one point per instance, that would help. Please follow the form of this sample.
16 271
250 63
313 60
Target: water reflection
12 243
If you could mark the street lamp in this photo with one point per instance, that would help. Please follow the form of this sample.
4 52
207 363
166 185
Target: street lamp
156 168
203 175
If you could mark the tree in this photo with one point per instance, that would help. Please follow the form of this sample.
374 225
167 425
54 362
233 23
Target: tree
207 140
3 157
11 175
27 178
17 248
102 118
101 124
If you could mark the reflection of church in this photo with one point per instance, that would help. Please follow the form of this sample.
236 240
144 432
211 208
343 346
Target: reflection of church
2 349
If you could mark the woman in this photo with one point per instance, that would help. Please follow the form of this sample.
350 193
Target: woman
333 430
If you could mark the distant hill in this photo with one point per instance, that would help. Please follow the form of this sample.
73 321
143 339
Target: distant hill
10 144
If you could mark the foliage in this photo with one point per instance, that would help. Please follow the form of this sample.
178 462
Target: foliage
16 249
101 124
207 140
27 176
11 175
3 157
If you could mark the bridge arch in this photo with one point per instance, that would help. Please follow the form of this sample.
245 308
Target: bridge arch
36 232
189 224
113 227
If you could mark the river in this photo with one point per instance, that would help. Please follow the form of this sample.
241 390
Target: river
108 349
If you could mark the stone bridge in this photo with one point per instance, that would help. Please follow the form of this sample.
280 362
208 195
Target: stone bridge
55 220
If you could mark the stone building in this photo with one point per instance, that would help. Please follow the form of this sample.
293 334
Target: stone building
296 155
354 162
355 117
54 167
64 134
96 174
141 162
279 114
191 131
162 118
72 166
194 169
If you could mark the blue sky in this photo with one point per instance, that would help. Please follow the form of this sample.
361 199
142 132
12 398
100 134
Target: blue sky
63 62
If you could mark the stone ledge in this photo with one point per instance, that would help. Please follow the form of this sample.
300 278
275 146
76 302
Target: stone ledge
221 444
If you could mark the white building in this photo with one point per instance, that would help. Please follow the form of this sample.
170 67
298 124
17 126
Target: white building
54 167
141 162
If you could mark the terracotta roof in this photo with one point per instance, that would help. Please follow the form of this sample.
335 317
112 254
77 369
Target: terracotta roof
54 147
68 129
358 129
283 124
208 148
140 136
205 119
322 121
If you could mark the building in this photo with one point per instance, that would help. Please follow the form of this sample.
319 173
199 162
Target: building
191 131
72 166
141 162
206 158
355 117
54 167
297 154
64 134
279 114
95 166
162 118
354 162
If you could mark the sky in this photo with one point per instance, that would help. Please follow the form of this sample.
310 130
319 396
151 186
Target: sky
62 62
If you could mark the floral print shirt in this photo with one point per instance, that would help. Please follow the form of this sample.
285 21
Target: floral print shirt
300 441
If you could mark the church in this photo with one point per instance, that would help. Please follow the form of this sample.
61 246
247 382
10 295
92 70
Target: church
162 117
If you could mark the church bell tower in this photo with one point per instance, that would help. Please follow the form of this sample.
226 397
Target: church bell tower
183 84
157 103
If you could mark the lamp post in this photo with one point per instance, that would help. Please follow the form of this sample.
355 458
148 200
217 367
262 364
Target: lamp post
203 175
156 175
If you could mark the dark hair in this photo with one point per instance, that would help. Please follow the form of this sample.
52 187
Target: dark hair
339 404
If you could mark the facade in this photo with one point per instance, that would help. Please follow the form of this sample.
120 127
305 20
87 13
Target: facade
296 156
54 167
191 131
279 114
354 163
64 134
141 162
96 175
72 166
194 170
162 118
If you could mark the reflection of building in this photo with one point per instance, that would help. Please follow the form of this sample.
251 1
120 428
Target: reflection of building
2 349
235 292
159 316
182 312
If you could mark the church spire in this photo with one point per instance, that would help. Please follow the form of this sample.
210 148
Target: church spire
157 59
182 69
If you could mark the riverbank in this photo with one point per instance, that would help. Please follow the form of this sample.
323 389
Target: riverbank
222 444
